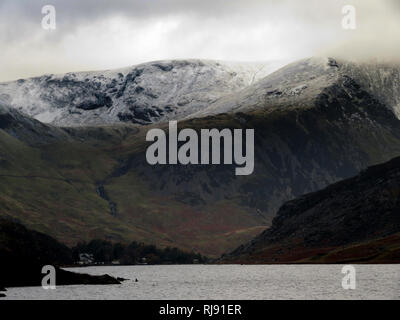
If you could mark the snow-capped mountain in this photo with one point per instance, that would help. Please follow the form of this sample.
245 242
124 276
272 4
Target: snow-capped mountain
145 93
302 83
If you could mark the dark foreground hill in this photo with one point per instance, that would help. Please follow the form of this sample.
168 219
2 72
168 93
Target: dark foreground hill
356 220
23 253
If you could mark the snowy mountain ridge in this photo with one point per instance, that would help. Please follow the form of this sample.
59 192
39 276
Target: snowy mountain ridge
301 84
178 89
145 93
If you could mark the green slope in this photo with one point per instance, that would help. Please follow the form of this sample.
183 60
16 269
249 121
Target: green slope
53 188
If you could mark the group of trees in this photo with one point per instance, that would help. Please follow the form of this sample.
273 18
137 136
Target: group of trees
134 253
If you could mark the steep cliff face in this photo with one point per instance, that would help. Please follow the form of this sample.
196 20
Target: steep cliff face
302 143
382 80
146 93
356 219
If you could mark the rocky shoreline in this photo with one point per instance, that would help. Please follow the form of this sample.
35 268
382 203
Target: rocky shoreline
2 289
32 278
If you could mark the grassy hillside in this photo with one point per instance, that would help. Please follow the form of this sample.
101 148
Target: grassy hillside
54 188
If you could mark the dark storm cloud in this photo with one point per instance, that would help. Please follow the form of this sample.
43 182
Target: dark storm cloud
71 14
98 34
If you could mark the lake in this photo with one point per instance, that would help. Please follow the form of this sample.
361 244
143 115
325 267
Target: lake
220 282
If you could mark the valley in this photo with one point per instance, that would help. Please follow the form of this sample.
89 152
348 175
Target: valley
315 122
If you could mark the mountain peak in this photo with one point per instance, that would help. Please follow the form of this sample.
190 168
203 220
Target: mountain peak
145 93
301 84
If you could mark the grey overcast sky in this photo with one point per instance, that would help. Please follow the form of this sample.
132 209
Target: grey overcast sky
104 34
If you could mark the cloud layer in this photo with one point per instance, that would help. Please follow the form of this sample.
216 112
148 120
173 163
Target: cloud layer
102 34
